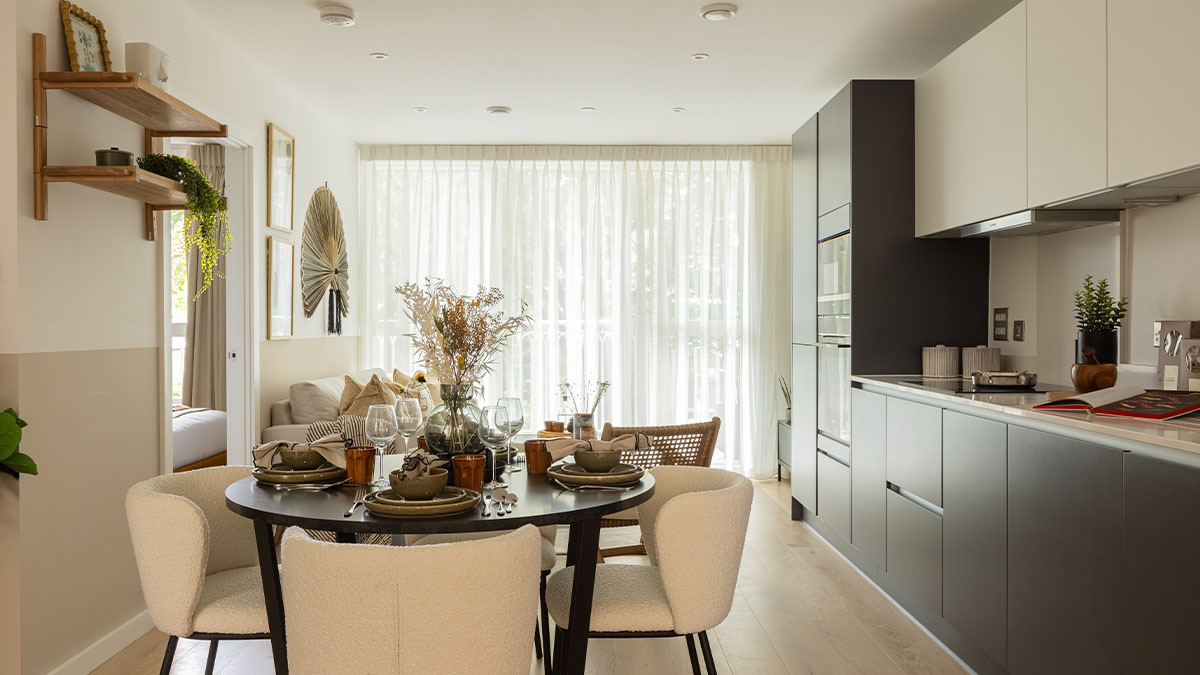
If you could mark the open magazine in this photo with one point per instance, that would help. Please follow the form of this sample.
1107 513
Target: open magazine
1151 404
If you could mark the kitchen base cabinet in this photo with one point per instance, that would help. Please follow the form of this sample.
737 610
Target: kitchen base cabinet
975 529
868 474
833 494
914 448
804 426
914 549
1162 566
1064 555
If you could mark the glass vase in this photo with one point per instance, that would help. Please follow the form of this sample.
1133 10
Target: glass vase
453 425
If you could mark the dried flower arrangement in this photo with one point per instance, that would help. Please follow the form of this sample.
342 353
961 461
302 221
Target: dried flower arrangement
418 463
592 391
458 336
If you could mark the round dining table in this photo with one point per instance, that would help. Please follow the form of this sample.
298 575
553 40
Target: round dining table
540 502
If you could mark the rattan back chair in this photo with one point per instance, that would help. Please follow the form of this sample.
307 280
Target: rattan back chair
677 444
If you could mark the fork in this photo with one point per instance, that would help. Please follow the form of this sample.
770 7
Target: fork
359 495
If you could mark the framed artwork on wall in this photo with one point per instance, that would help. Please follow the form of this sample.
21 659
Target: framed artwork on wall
281 177
87 46
281 283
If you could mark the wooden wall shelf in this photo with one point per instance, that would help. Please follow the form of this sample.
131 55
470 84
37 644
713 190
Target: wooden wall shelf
133 97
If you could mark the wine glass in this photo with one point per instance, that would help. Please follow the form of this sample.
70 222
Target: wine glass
381 430
516 420
408 417
493 431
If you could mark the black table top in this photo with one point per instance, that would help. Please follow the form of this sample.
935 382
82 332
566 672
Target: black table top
540 502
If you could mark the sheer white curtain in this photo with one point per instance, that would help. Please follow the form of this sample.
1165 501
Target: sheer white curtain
663 270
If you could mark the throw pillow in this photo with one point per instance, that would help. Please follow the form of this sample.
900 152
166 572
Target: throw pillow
350 391
373 393
350 425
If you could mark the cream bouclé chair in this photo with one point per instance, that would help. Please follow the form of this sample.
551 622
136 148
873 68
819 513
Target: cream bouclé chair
694 528
355 609
196 559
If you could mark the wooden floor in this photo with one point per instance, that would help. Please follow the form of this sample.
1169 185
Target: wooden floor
800 608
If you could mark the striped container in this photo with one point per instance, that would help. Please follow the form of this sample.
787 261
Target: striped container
939 361
982 358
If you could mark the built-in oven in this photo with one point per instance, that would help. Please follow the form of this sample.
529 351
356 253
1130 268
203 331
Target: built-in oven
833 337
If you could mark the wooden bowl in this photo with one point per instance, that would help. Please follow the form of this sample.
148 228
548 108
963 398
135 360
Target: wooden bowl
1092 376
556 426
426 487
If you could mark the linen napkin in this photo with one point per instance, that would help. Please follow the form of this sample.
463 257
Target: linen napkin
561 448
331 447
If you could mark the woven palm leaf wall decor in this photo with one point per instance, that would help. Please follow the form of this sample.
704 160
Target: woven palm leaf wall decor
323 260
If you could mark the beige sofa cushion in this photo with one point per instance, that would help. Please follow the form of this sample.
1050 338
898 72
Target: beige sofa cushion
316 400
372 393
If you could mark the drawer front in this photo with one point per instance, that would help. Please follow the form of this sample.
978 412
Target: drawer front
868 479
914 549
833 494
914 448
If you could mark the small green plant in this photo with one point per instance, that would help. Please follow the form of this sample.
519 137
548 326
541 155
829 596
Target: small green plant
1096 309
787 392
12 461
205 212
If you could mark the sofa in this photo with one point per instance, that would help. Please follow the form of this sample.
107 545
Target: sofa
311 401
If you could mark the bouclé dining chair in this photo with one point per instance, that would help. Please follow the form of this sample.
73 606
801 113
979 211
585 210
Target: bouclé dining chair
677 444
196 559
463 607
694 528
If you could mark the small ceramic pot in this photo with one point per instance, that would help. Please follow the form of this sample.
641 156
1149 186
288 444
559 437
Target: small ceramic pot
598 462
301 458
556 426
426 487
114 157
537 457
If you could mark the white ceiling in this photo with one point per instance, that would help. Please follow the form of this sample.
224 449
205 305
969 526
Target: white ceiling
770 68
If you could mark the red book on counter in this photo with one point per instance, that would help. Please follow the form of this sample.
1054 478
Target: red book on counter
1150 404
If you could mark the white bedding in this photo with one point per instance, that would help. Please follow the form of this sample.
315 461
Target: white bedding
198 433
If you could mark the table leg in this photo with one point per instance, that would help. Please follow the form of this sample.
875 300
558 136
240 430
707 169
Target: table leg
268 565
584 544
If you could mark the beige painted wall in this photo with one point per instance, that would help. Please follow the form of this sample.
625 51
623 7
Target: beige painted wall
10 538
1164 252
284 362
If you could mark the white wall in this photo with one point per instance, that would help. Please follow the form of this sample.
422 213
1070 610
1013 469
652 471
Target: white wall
87 337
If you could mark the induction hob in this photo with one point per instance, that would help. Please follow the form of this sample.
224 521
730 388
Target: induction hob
957 385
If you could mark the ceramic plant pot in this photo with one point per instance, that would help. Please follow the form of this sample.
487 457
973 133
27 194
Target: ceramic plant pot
425 487
301 458
1104 342
597 462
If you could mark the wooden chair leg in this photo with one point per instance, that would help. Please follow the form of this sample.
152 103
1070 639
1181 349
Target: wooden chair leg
212 657
709 665
636 549
169 656
692 654
547 663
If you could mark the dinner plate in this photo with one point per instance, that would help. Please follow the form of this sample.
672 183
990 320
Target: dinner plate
416 509
449 495
278 477
573 474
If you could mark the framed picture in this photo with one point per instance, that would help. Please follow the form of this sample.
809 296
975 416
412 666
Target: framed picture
281 282
87 46
281 177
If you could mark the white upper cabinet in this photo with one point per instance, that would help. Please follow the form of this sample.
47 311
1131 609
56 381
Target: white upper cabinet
1068 99
1153 91
971 160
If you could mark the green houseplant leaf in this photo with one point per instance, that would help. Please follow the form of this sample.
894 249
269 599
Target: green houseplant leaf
12 461
1096 309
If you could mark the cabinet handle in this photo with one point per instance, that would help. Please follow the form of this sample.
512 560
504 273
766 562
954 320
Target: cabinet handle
916 499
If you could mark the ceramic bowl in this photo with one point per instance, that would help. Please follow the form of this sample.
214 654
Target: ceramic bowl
426 487
597 462
301 459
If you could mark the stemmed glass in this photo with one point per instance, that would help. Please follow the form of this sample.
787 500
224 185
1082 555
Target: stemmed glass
493 432
381 430
516 420
408 417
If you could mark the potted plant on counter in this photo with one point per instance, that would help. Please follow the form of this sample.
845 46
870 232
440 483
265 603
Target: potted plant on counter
787 397
1098 315
12 461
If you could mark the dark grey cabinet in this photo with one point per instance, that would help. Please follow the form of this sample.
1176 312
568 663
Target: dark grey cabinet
975 530
835 140
868 474
914 549
914 448
1064 555
833 494
1162 566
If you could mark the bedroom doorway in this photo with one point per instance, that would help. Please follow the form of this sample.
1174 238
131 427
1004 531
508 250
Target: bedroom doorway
208 342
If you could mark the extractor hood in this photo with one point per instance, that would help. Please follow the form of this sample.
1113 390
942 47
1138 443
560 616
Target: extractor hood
1097 208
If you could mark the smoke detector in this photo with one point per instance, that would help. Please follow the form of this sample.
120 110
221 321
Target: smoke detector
499 110
338 16
721 11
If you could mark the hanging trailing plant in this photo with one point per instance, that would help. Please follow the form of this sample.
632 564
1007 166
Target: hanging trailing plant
205 212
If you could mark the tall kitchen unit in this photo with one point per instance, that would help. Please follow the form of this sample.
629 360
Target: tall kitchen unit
866 294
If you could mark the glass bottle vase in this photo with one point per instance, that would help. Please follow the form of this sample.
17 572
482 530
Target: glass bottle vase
452 428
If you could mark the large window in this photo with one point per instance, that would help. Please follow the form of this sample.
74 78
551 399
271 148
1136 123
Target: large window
663 270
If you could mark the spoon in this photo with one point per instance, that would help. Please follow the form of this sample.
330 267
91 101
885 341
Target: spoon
487 507
509 500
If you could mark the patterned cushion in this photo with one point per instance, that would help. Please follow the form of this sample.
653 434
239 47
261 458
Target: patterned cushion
351 425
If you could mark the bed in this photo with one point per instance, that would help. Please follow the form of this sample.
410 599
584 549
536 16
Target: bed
198 437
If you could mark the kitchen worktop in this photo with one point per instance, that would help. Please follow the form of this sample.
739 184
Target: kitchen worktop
1017 407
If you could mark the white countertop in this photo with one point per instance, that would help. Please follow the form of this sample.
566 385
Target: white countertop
1182 433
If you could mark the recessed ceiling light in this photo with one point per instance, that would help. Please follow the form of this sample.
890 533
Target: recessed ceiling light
721 11
338 16
499 110
699 56
588 108
678 109
379 56
420 109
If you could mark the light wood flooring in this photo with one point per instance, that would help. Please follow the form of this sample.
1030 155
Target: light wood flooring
800 608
